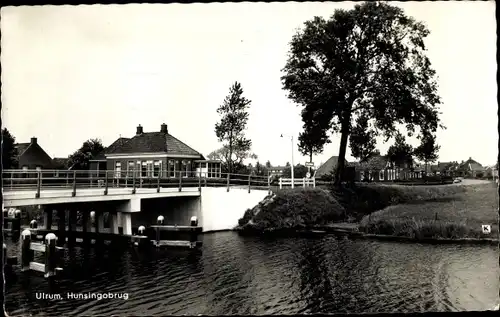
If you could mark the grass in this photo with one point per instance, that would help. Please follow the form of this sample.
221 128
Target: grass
460 216
364 199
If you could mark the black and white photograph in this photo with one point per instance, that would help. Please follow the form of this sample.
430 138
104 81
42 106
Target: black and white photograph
250 158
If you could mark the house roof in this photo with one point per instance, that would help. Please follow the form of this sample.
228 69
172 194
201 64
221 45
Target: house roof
376 162
329 166
21 147
472 165
34 154
150 142
117 144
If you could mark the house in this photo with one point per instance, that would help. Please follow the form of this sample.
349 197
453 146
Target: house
32 156
471 168
329 167
276 171
153 155
379 168
492 172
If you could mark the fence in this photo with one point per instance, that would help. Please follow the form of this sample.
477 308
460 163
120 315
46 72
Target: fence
304 182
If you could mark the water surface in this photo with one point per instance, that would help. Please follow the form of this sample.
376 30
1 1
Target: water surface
249 275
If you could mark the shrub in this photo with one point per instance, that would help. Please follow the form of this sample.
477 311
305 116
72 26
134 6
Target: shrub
293 209
419 229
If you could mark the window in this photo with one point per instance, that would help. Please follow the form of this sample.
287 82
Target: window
156 169
150 168
171 168
185 168
177 167
130 169
118 169
381 175
144 169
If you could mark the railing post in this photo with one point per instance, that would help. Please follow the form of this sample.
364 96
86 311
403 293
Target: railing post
249 183
133 182
11 179
105 182
199 181
50 254
39 184
26 252
304 182
158 185
281 183
74 184
180 181
314 182
227 182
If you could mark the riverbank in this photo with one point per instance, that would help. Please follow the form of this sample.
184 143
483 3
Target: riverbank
462 216
415 213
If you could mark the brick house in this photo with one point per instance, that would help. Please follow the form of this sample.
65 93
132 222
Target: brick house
153 155
32 156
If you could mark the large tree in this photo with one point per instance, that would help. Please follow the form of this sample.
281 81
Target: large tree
79 160
366 62
231 128
428 149
9 150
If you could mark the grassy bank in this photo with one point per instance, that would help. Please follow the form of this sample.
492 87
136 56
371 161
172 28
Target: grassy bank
461 216
301 208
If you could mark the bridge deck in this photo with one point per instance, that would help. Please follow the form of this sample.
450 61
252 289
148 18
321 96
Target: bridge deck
14 198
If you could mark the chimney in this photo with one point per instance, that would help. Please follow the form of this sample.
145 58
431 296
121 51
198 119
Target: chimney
139 130
33 140
164 128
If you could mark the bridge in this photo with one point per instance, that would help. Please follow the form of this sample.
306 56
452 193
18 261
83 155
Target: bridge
217 201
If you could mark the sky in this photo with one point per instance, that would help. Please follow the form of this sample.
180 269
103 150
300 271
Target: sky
71 73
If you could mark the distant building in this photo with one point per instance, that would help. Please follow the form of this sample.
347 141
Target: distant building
471 168
379 168
32 156
153 155
276 171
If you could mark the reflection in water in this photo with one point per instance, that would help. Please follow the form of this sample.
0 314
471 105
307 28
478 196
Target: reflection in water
236 275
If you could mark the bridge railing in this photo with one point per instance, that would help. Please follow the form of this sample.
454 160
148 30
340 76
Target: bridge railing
39 180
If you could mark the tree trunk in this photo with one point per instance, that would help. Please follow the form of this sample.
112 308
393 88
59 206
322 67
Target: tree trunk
343 147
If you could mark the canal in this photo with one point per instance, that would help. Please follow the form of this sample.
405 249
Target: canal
250 275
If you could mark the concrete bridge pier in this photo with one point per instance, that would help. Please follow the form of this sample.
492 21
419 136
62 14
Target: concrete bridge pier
113 222
99 215
126 221
47 218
